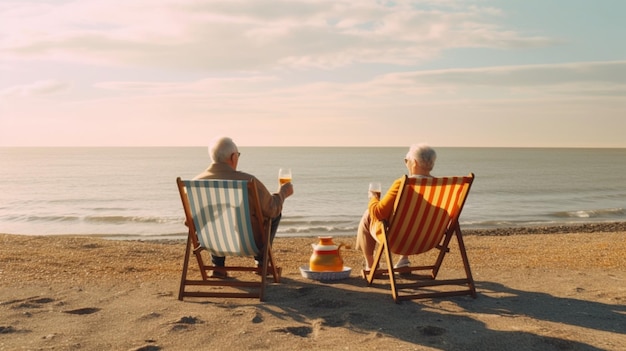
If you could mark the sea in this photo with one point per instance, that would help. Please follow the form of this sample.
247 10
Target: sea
131 193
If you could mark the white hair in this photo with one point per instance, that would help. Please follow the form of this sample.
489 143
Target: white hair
423 154
221 148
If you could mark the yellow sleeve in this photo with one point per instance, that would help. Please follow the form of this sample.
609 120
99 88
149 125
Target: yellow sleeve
382 209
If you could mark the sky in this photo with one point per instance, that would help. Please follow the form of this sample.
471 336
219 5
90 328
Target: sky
481 73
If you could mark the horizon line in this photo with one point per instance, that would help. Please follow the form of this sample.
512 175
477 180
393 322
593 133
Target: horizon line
314 146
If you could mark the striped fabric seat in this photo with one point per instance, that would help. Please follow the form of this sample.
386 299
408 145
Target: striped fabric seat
221 215
425 217
218 219
424 212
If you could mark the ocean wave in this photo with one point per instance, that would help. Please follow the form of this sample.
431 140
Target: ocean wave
339 225
130 219
300 225
316 229
112 219
41 218
599 213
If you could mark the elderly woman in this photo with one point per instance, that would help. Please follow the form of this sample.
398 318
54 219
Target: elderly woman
420 160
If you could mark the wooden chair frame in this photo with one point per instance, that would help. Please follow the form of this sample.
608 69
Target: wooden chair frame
443 234
255 288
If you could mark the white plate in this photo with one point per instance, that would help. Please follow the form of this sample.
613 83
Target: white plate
345 273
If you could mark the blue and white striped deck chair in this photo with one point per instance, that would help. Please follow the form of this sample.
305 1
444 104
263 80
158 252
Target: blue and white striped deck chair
220 211
218 216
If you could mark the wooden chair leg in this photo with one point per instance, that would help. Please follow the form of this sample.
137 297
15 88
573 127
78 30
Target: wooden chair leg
442 253
377 256
264 274
392 277
468 271
183 278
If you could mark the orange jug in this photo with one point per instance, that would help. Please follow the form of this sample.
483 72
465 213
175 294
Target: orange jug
325 257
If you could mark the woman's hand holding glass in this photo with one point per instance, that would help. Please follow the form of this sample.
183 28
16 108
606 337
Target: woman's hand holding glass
374 190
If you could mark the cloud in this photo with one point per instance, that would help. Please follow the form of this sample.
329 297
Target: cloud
170 72
260 94
39 88
249 35
533 75
584 78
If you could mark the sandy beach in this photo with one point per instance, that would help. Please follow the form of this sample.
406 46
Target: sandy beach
551 288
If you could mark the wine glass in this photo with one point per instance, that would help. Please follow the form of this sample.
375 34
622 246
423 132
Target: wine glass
375 189
284 175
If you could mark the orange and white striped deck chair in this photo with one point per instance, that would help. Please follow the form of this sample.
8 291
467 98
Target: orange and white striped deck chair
218 217
426 216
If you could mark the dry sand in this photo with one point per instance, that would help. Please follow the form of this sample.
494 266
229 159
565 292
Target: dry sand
560 291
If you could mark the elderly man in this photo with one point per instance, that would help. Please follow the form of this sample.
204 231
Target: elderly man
225 157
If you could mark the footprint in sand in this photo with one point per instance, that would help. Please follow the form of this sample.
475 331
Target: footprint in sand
82 311
256 316
31 302
298 331
7 329
150 316
188 320
184 323
148 348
